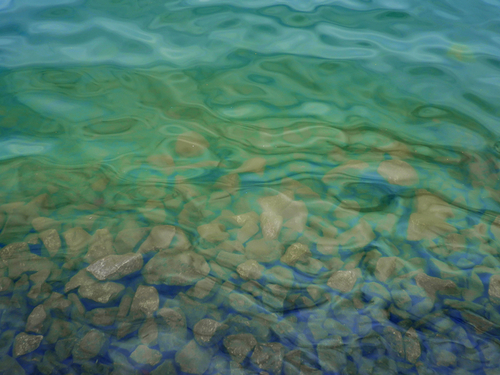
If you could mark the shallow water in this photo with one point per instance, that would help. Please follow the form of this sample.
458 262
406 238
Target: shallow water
230 187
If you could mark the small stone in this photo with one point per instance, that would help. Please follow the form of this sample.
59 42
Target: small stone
10 366
44 223
101 292
239 346
385 268
145 355
208 332
213 232
331 354
14 250
36 319
432 285
146 300
264 251
182 269
247 231
191 144
343 281
148 333
193 359
159 239
6 285
412 346
90 345
51 241
166 368
114 267
269 357
202 288
296 252
102 317
81 278
127 239
24 344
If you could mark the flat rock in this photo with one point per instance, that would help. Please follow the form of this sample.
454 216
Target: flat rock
181 269
51 241
343 281
269 357
24 344
146 300
159 238
193 358
239 346
264 251
90 345
101 292
208 331
145 355
114 267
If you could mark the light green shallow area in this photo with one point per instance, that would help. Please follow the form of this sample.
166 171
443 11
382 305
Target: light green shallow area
265 187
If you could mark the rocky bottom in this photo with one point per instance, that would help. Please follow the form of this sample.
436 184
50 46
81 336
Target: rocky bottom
280 292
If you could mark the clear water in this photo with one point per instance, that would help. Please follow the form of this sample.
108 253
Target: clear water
273 187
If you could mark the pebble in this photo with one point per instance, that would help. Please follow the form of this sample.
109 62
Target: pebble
114 267
343 281
25 343
145 355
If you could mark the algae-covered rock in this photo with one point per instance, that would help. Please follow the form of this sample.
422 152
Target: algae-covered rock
114 267
144 355
181 269
24 344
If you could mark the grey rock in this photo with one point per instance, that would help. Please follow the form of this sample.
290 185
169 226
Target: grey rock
148 332
193 358
24 344
239 346
159 239
331 354
433 285
127 239
6 285
296 252
81 278
36 319
146 300
208 332
166 368
202 288
102 317
114 267
101 292
412 346
269 357
145 355
51 241
90 345
44 223
385 268
401 299
343 281
9 366
181 269
250 270
14 250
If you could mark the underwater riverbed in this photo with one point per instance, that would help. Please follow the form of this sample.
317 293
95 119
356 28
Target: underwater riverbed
249 187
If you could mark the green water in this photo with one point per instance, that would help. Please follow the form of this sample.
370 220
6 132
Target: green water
265 187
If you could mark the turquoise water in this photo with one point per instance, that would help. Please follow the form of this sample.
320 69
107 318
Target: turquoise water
258 187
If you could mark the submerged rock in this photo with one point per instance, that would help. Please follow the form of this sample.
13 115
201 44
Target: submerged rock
191 144
101 292
296 252
398 172
101 245
412 346
239 346
146 300
145 355
343 281
269 357
114 267
250 270
208 332
213 232
181 269
159 239
432 285
494 289
395 341
24 344
90 345
193 359
51 241
36 319
263 250
271 224
77 240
